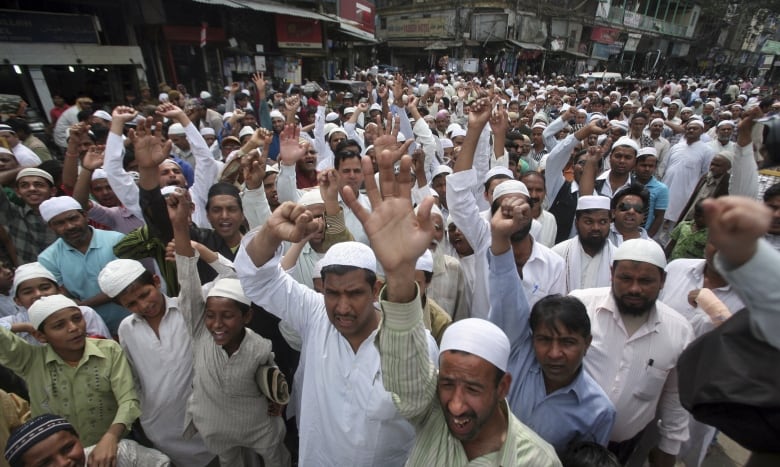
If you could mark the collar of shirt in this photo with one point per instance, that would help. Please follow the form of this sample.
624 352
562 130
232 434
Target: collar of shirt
576 387
697 272
608 305
170 303
90 350
92 241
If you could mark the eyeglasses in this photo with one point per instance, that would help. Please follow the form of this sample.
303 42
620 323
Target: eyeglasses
624 207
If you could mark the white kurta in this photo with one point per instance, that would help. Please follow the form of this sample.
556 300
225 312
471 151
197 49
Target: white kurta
687 163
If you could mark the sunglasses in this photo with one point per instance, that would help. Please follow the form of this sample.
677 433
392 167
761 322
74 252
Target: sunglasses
624 207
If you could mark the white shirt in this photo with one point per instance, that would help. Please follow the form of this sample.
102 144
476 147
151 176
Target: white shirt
583 271
638 372
543 274
549 229
684 275
162 370
687 163
346 415
606 189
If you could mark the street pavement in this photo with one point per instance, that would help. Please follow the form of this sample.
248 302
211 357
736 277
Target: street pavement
726 453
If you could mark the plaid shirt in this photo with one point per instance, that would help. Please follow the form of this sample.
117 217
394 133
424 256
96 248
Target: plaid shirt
27 230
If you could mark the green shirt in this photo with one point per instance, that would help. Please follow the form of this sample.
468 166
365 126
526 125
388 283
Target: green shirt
408 373
689 244
94 395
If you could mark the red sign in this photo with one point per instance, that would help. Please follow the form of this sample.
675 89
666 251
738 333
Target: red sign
298 33
605 35
361 12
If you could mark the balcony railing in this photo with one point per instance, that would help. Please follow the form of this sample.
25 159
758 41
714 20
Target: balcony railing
647 23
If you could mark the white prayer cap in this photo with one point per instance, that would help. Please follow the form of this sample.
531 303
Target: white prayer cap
617 123
207 131
425 262
229 288
276 114
657 120
498 170
271 169
98 174
353 254
205 95
57 205
311 197
163 97
446 143
29 271
639 249
35 172
400 137
695 121
509 187
666 100
626 141
349 110
435 211
541 125
28 159
648 151
226 116
478 337
728 155
368 148
246 130
328 128
452 127
585 203
103 115
725 122
332 117
375 106
47 306
457 132
582 111
175 129
118 274
338 129
441 169
246 92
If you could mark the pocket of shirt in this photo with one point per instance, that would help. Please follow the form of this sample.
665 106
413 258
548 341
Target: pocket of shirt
652 384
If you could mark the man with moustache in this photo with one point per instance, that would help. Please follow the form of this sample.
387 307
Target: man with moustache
588 255
636 343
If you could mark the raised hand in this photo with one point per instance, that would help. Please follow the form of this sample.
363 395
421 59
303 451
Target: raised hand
329 185
253 169
93 159
150 151
291 222
123 114
734 225
513 215
322 97
79 133
234 87
173 112
291 103
480 113
260 82
290 149
499 121
398 86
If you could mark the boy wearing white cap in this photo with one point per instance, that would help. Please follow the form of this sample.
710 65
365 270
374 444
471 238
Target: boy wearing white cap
636 343
27 229
31 282
86 380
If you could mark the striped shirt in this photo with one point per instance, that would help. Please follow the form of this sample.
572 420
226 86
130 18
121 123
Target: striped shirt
410 375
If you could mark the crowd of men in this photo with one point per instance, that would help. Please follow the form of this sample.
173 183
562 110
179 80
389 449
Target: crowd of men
440 270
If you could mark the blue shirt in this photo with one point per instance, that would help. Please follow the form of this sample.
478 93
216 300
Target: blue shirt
78 272
580 411
659 199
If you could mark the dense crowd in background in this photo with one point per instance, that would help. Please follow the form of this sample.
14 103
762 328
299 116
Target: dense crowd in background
436 269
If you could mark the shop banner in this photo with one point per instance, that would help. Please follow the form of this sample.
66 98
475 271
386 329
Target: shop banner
298 33
605 35
360 11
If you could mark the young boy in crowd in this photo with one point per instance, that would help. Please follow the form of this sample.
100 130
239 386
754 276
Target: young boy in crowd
32 281
86 380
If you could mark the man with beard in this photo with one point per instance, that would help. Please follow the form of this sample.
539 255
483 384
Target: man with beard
636 343
660 144
68 260
548 228
588 255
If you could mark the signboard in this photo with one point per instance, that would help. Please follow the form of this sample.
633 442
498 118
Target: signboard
298 33
605 35
362 12
604 51
771 47
26 26
632 43
433 27
632 19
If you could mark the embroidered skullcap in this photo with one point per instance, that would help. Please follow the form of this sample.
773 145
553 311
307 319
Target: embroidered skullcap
441 169
57 205
35 172
425 262
626 141
648 151
353 254
29 271
229 288
276 114
246 130
457 132
33 432
332 117
446 143
207 131
118 274
103 115
509 187
644 251
478 337
585 203
47 306
98 174
175 129
311 197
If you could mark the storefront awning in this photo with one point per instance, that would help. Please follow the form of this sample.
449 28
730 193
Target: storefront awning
357 33
525 45
71 54
268 7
